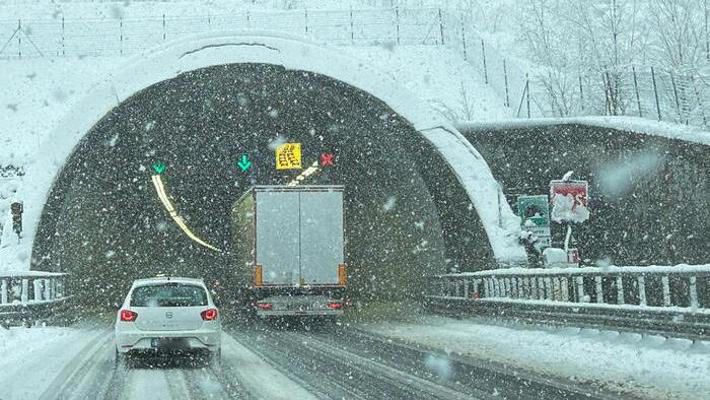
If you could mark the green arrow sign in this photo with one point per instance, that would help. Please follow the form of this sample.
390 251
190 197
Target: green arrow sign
158 167
244 163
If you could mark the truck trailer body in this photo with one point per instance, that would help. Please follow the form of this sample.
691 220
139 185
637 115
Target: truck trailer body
289 248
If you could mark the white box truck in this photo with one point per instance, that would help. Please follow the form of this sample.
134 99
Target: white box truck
289 249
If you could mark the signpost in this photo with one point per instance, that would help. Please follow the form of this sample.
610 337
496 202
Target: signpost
534 215
288 156
17 208
570 201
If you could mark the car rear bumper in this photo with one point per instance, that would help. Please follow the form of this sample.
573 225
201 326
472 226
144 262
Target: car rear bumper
142 341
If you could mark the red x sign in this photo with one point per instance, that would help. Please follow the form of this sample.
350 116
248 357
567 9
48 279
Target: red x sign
327 159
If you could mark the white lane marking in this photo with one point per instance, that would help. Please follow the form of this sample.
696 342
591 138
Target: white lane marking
260 379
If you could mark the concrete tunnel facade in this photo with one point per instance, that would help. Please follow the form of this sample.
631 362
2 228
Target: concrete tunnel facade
424 137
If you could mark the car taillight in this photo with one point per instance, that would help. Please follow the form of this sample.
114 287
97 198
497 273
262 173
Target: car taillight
209 315
265 306
128 315
335 305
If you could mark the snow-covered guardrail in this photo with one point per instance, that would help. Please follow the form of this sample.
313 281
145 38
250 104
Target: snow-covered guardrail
26 296
665 299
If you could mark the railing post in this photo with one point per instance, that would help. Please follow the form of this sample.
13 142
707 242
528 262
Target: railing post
642 290
666 291
465 289
533 288
565 288
541 287
38 286
48 289
24 295
619 290
3 291
549 289
600 293
580 290
693 292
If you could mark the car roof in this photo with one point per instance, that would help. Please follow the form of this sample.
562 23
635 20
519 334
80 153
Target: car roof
163 279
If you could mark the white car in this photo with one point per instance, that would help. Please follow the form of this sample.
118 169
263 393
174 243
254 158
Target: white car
168 315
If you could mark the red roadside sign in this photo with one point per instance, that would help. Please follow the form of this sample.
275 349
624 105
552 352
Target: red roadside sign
569 200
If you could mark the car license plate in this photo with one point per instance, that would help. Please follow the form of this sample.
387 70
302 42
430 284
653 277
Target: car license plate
155 343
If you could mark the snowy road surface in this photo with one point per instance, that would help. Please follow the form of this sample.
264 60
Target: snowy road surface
259 361
644 366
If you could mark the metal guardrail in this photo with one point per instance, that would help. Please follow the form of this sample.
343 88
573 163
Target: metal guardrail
668 300
29 296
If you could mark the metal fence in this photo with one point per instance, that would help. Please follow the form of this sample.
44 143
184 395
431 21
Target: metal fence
671 299
639 91
125 36
30 295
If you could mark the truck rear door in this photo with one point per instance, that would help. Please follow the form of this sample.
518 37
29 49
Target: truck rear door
277 236
321 236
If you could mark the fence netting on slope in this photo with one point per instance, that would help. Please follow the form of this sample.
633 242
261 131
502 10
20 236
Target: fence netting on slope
644 91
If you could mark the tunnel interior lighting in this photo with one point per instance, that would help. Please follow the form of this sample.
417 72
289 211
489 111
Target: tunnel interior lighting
160 189
306 173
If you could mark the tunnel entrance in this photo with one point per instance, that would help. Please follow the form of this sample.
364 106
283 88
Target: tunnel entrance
406 218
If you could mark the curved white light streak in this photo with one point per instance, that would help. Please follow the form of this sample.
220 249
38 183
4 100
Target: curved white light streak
160 189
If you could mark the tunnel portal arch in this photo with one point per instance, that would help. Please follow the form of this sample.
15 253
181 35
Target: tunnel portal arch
293 53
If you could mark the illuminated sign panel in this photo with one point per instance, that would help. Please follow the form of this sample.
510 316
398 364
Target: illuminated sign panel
288 156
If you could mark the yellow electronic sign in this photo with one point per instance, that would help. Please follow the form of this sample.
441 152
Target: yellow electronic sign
288 156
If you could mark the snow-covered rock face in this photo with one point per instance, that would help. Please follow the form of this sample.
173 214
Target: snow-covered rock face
292 53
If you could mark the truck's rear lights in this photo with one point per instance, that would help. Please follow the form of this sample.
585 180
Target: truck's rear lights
264 306
209 315
335 305
258 276
342 275
128 315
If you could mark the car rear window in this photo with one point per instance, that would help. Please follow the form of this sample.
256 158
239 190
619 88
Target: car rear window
169 295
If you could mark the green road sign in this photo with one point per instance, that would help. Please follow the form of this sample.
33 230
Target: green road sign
535 209
159 167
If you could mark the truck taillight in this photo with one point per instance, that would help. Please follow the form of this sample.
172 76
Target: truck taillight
334 305
258 276
264 306
342 275
128 315
209 315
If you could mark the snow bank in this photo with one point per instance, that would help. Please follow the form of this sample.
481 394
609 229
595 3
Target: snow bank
648 366
681 268
264 47
629 124
31 358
